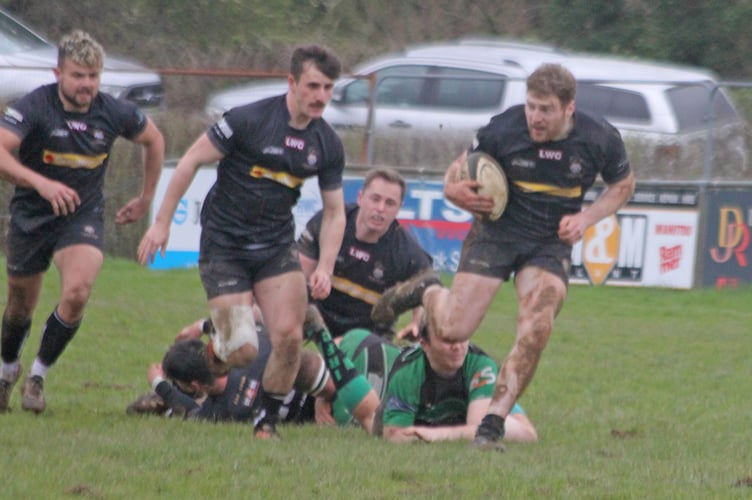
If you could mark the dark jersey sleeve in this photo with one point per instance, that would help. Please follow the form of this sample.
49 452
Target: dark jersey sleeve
308 241
176 400
615 163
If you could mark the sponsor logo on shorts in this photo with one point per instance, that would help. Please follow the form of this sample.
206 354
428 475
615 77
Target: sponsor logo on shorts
89 232
227 283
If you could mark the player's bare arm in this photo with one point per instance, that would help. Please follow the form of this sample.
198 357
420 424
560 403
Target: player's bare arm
475 412
62 198
464 192
395 434
572 227
330 238
153 157
200 153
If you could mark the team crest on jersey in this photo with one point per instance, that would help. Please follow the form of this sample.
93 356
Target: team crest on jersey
575 166
98 135
312 158
378 271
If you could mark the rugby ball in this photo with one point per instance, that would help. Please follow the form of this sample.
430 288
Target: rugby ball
486 170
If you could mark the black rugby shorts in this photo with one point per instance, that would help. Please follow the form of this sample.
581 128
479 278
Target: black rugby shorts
498 256
31 252
222 275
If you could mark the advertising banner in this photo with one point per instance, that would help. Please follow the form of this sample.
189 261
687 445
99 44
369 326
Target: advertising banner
651 242
726 256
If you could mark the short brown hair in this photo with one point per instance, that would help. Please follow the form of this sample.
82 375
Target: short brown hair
553 79
321 57
81 48
387 174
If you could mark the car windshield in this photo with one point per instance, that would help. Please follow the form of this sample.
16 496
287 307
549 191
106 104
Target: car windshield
15 38
692 105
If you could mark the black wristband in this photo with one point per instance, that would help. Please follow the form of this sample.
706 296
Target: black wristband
491 427
206 326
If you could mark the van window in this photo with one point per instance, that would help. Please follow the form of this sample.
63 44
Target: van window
690 103
397 85
611 103
467 89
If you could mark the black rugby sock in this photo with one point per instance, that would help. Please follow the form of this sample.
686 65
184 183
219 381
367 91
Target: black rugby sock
55 337
14 336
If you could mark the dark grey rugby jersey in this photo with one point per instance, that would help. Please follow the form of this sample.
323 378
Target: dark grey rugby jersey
363 270
259 178
72 148
549 180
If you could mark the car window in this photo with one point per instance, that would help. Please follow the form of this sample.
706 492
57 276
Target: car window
690 103
16 38
467 89
396 85
612 103
420 86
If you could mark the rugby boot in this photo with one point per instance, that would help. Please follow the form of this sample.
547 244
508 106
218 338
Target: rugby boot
265 427
403 296
6 388
32 394
149 403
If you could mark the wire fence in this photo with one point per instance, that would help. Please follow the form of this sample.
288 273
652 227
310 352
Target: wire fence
716 151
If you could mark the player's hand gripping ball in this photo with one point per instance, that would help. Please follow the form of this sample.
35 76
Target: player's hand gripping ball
486 170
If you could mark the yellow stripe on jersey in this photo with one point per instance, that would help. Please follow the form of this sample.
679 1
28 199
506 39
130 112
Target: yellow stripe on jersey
283 178
533 187
355 291
72 160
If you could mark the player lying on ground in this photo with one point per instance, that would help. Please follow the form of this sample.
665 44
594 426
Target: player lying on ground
432 391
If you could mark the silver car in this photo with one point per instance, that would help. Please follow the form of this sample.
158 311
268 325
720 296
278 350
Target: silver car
27 59
428 101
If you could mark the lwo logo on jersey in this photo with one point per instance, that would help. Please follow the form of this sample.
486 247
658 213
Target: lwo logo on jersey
613 249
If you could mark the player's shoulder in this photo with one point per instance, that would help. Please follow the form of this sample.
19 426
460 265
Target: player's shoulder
39 101
409 356
510 121
594 127
477 355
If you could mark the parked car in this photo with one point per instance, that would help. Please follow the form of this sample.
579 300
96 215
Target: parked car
441 93
27 59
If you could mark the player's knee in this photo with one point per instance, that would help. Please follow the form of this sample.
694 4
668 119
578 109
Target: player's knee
75 297
235 334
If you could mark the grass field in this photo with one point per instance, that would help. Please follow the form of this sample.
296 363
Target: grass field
640 394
